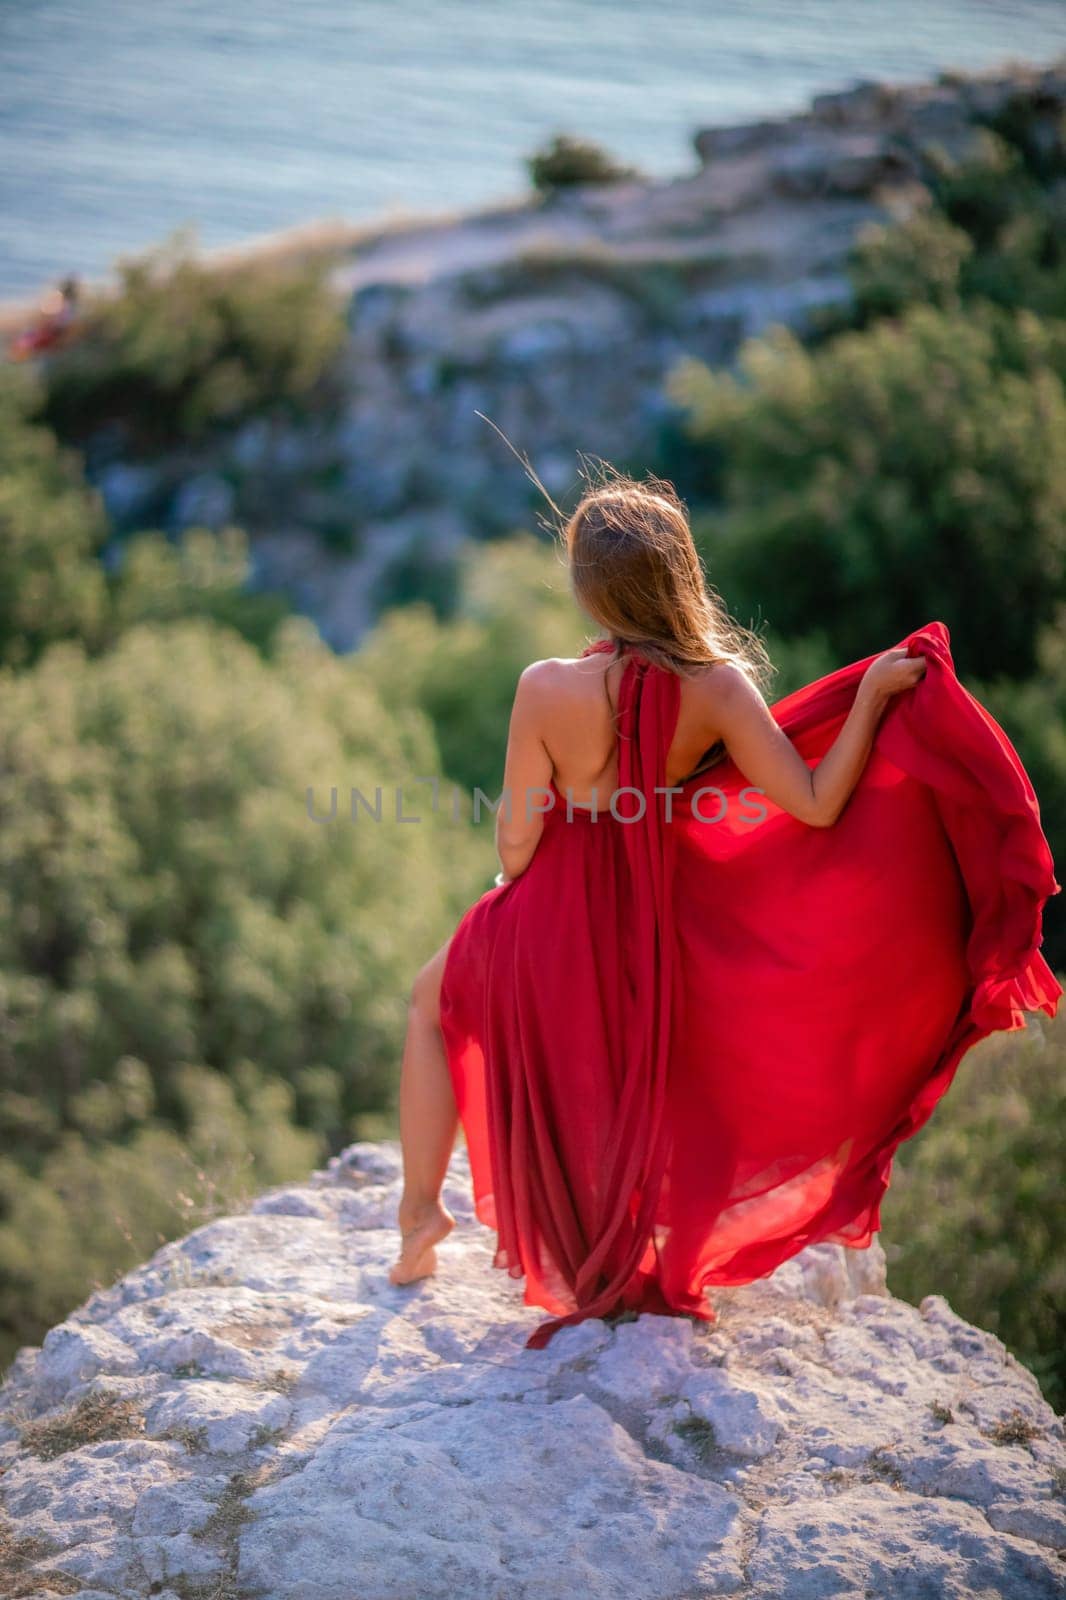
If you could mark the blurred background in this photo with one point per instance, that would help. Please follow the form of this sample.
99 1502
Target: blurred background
267 275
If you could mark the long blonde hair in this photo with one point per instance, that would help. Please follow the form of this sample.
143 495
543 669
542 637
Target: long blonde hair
635 570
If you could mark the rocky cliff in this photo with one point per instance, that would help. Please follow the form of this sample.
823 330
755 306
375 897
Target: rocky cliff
257 1412
558 320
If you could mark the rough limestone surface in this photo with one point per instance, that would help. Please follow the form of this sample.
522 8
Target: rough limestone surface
259 1412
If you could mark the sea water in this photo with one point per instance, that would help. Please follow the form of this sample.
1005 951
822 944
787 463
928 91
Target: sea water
122 120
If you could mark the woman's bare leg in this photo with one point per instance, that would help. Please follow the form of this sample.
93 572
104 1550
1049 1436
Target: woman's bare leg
429 1121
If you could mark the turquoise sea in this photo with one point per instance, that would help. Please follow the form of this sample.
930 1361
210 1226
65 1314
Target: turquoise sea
123 119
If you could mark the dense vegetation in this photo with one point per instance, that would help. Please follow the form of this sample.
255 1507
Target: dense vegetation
185 348
909 471
976 1209
906 462
202 989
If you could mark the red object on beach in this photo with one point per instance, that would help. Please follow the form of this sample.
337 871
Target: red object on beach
683 1050
37 340
23 346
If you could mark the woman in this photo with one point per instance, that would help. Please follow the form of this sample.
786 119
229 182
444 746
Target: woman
734 955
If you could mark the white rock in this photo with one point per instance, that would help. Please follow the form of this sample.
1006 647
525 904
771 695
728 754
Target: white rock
182 1559
71 1355
230 1417
1039 1520
313 1432
874 1541
475 1492
746 1420
181 1506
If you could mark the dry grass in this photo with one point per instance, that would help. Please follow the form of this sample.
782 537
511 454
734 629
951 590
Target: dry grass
194 1439
698 1434
283 1379
93 1418
17 1553
264 1436
1014 1428
230 1515
880 1467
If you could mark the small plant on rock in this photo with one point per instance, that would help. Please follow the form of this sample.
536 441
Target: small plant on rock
567 161
91 1419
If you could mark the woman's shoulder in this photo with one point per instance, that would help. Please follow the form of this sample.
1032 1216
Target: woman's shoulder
719 678
560 669
556 678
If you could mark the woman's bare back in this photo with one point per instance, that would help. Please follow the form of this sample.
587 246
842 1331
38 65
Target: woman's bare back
582 739
563 730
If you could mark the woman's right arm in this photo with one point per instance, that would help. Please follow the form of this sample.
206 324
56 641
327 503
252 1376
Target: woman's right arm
765 754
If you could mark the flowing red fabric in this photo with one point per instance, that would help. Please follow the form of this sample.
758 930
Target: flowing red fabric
687 1041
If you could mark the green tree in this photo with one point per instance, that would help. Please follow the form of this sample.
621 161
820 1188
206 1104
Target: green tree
51 529
202 987
898 264
1032 713
164 891
976 1209
184 347
53 584
1007 196
199 574
907 472
98 1206
514 607
994 229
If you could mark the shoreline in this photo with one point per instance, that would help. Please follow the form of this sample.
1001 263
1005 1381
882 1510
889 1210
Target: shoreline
553 320
301 241
474 236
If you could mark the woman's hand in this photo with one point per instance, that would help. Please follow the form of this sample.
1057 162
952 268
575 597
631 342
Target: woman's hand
737 713
891 672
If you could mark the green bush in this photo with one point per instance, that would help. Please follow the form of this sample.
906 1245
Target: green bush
566 161
185 347
899 263
164 892
995 231
105 1197
514 606
199 574
985 190
1035 127
910 471
1010 202
419 572
1033 716
202 989
52 585
798 661
976 1209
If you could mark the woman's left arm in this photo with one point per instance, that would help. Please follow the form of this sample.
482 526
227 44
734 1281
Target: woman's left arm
527 774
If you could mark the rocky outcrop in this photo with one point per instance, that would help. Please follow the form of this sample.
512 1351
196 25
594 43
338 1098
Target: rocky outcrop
558 320
257 1412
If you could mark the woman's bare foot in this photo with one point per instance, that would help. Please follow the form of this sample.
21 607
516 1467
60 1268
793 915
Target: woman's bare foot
421 1228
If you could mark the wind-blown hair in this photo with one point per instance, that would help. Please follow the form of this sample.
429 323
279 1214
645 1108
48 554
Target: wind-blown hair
636 572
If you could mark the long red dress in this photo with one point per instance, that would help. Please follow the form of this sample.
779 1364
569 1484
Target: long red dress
687 1041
